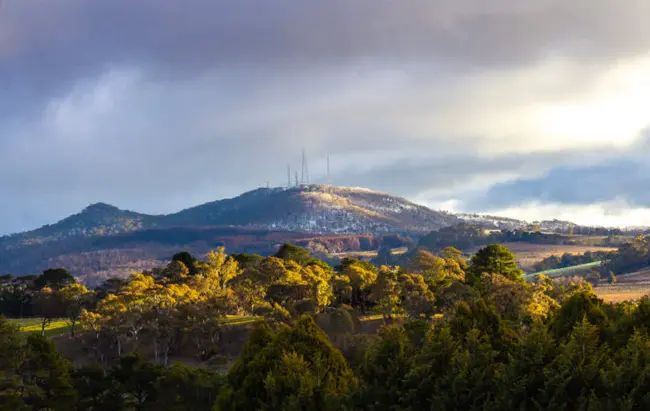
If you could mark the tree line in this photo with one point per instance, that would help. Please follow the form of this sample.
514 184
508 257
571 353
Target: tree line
456 334
464 236
631 256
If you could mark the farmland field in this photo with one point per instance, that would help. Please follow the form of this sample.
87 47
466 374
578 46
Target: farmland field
30 326
628 287
241 320
616 293
61 326
367 255
566 271
528 254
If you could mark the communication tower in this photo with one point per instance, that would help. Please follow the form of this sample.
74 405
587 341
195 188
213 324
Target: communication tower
329 173
304 176
288 175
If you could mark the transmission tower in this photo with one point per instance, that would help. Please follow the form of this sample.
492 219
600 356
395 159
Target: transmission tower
329 173
288 175
304 177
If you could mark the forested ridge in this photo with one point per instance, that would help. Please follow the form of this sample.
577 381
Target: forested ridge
455 334
464 236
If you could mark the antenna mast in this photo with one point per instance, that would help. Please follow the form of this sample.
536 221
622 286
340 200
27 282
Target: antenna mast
329 174
288 175
304 177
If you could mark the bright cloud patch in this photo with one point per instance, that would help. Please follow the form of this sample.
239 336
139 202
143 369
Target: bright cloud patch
609 214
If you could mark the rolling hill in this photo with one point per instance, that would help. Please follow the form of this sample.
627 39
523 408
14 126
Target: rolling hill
95 220
104 239
309 208
316 209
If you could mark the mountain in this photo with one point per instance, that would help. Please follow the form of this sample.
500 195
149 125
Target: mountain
492 222
105 239
551 226
95 220
309 208
316 209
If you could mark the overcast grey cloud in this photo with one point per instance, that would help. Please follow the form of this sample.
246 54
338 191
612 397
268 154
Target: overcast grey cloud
159 105
622 179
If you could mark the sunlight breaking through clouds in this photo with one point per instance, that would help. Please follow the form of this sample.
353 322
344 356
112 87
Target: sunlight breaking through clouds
430 101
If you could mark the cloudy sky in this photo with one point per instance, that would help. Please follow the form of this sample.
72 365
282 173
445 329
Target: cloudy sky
530 109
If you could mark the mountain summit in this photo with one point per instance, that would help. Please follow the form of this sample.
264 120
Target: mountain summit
101 234
98 219
317 209
104 240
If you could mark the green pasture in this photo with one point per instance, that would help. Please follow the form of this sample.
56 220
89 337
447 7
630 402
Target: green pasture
566 271
28 326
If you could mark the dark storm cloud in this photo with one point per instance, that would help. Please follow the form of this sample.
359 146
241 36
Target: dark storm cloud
45 45
156 105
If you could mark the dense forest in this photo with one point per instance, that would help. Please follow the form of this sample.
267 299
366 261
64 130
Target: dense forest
452 334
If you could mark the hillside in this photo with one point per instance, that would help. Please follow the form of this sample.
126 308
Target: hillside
316 209
310 208
103 239
549 226
95 220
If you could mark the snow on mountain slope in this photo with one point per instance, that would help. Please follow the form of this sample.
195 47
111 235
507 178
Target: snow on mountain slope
317 209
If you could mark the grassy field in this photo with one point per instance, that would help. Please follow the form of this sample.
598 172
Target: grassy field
241 320
589 240
628 287
529 254
565 271
33 326
60 326
616 293
367 255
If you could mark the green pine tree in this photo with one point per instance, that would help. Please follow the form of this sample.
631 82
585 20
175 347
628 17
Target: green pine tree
494 259
296 369
46 376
